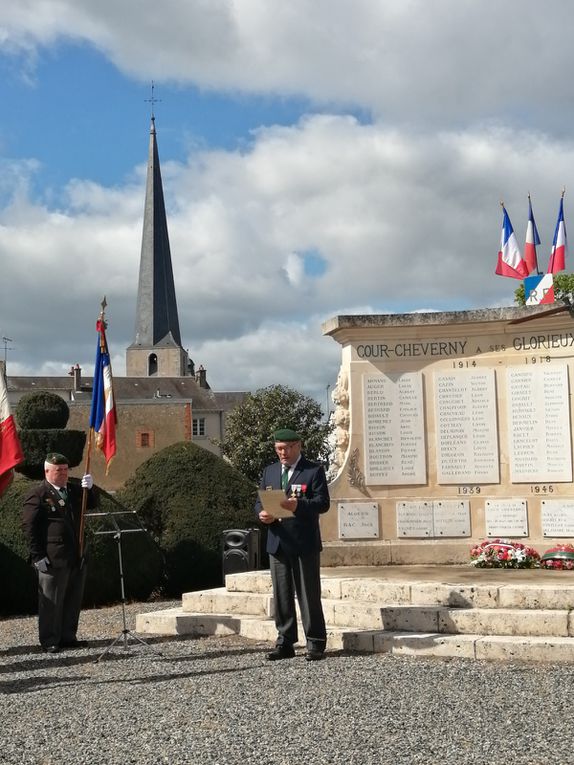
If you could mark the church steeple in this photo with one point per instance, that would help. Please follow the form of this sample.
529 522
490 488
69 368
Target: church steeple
156 349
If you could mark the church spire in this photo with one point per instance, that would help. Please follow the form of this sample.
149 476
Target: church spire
156 349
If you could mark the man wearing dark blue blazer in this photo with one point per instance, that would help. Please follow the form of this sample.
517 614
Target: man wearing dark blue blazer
294 545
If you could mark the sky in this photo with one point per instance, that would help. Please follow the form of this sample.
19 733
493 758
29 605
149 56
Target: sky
319 158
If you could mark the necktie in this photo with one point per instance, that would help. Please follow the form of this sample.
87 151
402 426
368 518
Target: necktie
63 493
285 476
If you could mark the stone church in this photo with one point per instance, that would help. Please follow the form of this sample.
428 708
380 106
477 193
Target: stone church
163 399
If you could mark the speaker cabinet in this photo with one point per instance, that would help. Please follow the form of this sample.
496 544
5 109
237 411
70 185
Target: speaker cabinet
241 550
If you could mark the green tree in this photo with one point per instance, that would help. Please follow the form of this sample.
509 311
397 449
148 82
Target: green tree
563 290
248 442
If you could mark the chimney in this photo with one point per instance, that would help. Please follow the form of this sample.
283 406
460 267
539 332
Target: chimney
76 373
201 377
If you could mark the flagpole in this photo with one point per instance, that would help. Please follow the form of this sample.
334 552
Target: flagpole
87 464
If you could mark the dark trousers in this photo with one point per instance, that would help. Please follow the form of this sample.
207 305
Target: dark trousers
60 596
298 574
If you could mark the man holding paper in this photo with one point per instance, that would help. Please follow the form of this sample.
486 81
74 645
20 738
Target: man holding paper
294 543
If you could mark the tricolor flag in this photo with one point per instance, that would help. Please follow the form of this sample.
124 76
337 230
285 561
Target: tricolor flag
103 416
10 450
539 289
532 239
557 260
510 261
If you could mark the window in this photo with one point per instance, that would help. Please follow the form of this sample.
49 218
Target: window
198 426
145 439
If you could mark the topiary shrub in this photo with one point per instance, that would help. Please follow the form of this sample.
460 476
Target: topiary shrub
187 497
42 409
42 419
143 562
36 444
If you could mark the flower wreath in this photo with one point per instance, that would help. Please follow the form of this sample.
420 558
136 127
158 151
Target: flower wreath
503 553
559 558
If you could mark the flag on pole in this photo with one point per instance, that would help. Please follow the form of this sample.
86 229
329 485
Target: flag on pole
10 450
532 239
510 261
103 416
557 260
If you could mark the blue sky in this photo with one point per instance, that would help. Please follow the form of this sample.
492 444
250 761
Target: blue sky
319 157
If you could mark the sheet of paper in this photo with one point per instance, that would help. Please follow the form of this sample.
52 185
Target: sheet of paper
271 500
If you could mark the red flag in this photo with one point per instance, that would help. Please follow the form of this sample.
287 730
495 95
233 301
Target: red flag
10 450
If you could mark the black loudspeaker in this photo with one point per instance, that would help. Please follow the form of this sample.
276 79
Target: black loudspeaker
241 550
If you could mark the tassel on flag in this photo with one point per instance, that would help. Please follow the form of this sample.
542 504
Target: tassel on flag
532 239
510 261
10 450
557 260
103 416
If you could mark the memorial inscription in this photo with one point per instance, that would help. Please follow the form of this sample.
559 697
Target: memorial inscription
557 517
506 518
466 427
358 520
539 424
438 518
394 429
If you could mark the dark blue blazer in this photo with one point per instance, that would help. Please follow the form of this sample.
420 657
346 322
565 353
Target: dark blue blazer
300 534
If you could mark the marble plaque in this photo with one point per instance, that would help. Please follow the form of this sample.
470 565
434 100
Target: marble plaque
557 517
414 519
506 518
394 429
358 520
539 424
466 427
451 518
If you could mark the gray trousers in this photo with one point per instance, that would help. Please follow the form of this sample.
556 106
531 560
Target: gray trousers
298 574
60 594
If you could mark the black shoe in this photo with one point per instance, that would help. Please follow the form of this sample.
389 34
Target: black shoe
281 652
74 643
51 648
314 655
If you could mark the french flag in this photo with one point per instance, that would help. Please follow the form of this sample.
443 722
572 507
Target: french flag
103 415
10 450
532 239
510 261
557 260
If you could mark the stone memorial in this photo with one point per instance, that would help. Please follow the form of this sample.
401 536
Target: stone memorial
457 426
358 520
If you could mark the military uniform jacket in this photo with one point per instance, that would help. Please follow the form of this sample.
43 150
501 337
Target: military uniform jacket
300 534
52 525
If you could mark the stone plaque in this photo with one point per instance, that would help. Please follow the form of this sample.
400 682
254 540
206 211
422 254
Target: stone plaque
451 518
394 429
539 424
358 520
466 427
557 517
506 518
414 519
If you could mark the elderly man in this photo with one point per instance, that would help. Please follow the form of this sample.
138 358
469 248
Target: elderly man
51 521
294 546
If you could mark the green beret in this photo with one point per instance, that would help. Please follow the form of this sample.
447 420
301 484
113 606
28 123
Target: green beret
286 434
56 459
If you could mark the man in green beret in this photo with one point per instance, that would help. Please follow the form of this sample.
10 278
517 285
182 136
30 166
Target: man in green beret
51 520
294 545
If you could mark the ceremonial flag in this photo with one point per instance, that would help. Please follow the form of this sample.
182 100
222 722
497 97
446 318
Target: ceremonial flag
557 260
539 289
10 450
510 261
532 239
103 416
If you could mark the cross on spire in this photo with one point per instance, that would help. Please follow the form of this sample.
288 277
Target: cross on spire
153 100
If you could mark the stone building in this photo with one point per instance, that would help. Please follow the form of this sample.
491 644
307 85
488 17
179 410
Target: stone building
163 399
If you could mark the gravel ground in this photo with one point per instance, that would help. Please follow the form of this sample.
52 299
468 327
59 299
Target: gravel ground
217 700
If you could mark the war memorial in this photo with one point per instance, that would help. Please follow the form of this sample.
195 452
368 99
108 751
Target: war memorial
451 427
